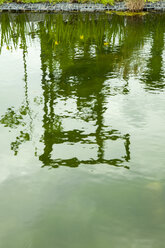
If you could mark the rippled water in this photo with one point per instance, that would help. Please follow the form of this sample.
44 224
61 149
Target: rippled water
82 130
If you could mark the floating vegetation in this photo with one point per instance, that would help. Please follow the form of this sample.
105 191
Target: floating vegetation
127 13
81 37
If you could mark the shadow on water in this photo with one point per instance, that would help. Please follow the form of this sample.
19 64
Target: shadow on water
80 57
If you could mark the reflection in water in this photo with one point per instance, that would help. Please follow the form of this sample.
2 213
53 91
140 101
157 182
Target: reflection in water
81 57
154 76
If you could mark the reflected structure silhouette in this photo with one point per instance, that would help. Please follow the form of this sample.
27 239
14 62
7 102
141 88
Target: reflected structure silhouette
81 57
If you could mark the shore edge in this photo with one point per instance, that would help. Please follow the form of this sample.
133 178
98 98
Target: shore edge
75 7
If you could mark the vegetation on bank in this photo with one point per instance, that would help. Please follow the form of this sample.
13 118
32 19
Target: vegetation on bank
133 5
111 2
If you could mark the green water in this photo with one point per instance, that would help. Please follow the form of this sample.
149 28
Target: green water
82 131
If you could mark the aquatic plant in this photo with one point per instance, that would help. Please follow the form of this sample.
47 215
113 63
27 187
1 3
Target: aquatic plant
127 13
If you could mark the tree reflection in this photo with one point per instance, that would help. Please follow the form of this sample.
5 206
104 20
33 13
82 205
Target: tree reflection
154 75
83 79
80 56
15 33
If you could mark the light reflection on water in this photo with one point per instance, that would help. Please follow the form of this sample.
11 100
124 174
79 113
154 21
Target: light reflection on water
83 91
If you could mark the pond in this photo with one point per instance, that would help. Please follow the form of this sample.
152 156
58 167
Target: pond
82 130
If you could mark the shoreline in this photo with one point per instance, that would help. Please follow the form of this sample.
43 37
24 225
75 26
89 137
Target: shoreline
75 7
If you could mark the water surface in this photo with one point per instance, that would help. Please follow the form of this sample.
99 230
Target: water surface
82 129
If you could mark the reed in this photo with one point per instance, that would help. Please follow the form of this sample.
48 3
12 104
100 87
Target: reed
135 5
